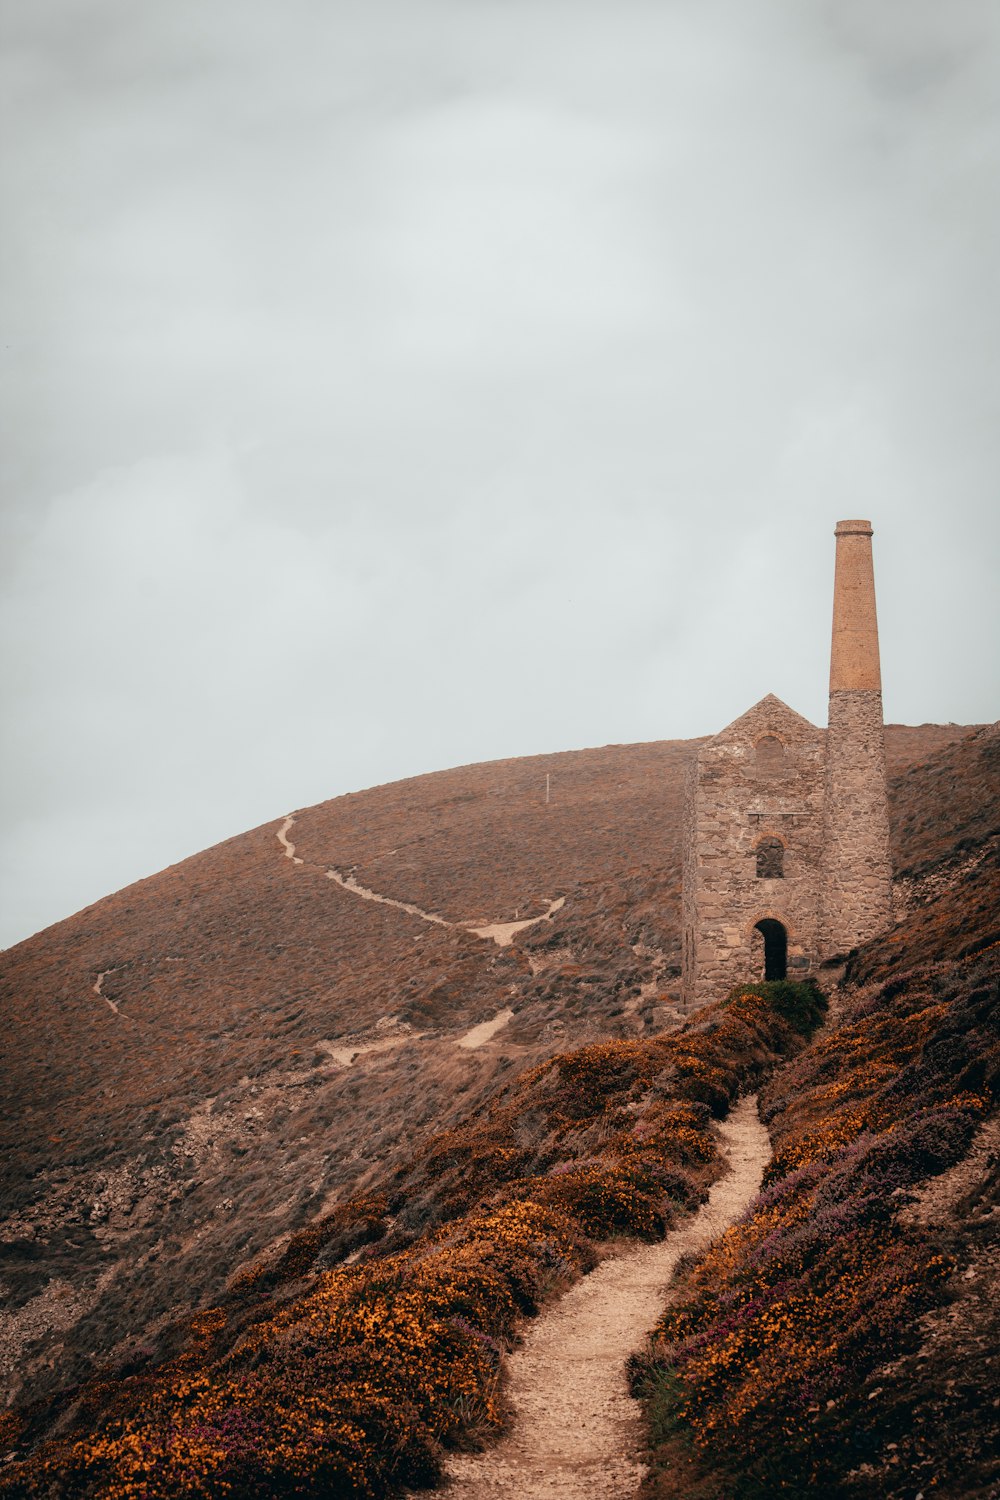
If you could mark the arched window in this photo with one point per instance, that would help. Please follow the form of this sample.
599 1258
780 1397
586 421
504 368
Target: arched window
770 755
775 948
770 859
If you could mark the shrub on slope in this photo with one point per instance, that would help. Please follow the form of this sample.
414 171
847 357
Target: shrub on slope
348 1383
775 1373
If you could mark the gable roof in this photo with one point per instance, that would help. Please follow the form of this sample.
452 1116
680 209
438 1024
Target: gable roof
770 715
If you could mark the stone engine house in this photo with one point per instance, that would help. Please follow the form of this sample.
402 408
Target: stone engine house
787 842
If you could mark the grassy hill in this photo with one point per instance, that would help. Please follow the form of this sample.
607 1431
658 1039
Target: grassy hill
193 1133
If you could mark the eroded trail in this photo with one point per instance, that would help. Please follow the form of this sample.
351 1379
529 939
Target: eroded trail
576 1433
501 933
98 988
348 883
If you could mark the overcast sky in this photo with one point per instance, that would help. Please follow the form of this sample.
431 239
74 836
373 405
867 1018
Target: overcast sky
392 384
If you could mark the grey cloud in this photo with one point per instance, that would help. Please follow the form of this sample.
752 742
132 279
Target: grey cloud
405 384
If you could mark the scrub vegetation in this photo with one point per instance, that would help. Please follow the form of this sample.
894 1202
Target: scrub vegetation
233 1264
813 1351
352 1380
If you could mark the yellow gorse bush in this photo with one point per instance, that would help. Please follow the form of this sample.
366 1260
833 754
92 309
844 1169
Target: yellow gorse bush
354 1385
763 1363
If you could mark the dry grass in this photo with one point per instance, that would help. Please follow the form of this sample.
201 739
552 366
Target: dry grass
833 1342
203 1123
343 1368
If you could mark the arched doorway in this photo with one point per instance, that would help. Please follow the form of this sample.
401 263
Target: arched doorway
775 948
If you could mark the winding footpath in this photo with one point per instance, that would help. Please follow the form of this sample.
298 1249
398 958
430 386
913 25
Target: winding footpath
286 843
99 989
500 933
503 933
349 883
576 1433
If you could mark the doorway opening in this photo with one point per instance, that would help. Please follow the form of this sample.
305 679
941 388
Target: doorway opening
775 948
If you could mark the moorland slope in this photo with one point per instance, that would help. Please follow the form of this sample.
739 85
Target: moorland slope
213 1059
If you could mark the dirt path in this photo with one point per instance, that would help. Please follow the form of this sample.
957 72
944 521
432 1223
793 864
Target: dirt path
485 1031
503 933
350 884
99 989
286 843
500 933
576 1433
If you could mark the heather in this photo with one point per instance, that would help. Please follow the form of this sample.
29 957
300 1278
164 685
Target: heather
174 1124
164 1132
349 1364
773 1370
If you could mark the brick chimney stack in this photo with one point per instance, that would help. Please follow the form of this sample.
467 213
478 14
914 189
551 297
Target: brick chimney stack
857 865
854 662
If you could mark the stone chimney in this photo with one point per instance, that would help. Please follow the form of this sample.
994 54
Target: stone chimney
857 878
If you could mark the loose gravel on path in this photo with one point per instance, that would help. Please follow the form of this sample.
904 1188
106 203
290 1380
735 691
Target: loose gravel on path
576 1433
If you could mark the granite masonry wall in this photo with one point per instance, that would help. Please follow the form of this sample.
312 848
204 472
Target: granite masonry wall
754 806
857 895
789 824
857 886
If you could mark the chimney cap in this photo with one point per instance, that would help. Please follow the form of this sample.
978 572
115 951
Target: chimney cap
853 528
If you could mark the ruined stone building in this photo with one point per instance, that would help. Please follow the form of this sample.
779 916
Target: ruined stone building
787 845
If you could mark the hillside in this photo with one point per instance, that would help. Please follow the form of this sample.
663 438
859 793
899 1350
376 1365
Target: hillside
264 1042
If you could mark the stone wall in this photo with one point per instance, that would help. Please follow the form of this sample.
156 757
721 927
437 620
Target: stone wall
857 887
857 893
773 776
761 779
